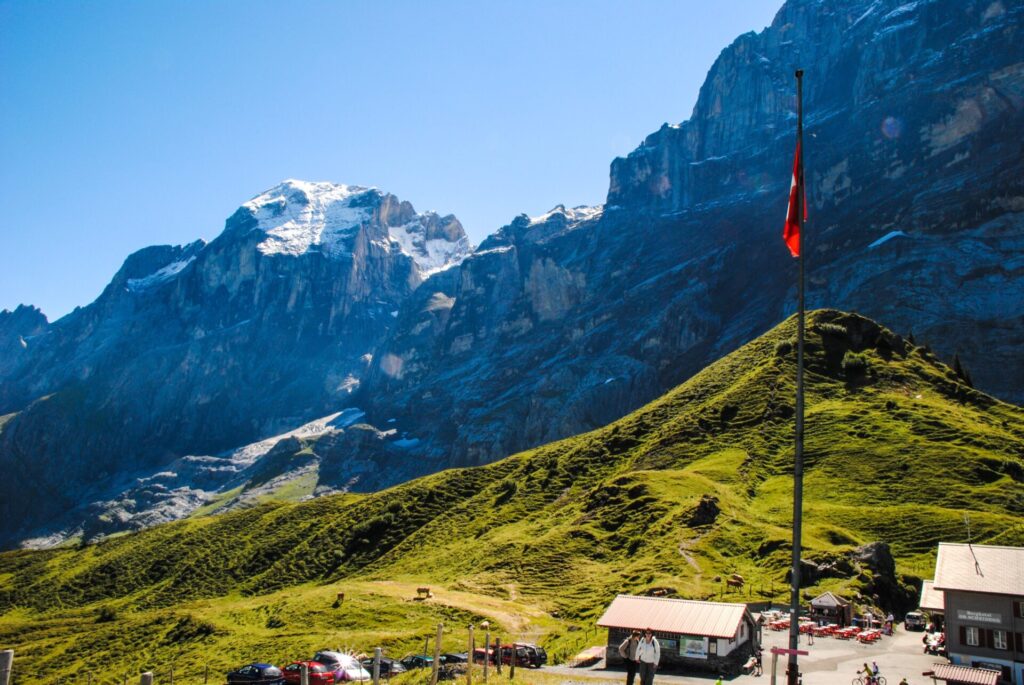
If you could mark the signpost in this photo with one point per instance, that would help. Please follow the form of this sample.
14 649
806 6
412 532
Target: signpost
776 651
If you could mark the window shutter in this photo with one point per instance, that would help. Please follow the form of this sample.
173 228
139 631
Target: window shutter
963 635
1019 637
988 640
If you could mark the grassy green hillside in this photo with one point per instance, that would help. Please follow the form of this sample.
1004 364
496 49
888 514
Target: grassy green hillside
898 448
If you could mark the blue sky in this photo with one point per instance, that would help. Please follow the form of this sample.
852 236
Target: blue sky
126 124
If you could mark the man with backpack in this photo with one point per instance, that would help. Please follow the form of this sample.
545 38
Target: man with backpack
627 650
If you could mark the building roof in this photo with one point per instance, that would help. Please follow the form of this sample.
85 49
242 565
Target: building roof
932 599
965 674
980 568
827 599
683 616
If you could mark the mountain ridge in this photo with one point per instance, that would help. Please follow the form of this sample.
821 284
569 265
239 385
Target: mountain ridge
562 323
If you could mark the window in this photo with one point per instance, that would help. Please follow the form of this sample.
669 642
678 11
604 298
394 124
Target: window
1018 609
971 638
999 639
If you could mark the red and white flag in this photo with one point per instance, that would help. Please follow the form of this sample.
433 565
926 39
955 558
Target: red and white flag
791 233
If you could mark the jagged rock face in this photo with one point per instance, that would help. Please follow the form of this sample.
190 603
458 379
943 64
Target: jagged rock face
914 114
196 349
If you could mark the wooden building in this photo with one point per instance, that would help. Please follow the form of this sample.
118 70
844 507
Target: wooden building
828 608
713 637
983 600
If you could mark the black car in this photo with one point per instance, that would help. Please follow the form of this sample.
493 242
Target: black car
536 655
415 661
462 658
388 667
263 674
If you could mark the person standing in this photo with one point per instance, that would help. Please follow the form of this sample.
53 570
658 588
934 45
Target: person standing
627 650
648 654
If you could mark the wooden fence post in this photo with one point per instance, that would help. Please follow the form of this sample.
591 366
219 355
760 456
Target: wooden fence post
437 654
171 681
6 666
303 674
146 678
497 653
487 646
206 674
512 662
469 661
376 666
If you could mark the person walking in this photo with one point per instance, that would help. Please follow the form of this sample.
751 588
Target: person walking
648 654
627 650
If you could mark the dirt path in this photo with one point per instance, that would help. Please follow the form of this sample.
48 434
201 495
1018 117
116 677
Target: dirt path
519 617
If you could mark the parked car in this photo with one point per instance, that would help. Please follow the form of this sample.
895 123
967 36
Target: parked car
388 667
414 661
264 674
479 654
535 654
915 620
522 655
345 667
319 674
460 658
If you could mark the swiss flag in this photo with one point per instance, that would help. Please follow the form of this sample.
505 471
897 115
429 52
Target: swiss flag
791 233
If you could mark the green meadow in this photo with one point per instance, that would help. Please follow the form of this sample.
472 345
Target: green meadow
680 494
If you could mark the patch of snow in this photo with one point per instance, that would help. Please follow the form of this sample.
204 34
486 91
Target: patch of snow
707 159
870 10
433 255
346 418
349 384
897 27
903 9
165 274
22 342
299 217
248 454
493 250
887 237
573 215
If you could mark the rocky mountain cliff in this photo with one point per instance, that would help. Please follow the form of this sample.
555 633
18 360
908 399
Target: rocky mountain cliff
318 298
914 114
201 348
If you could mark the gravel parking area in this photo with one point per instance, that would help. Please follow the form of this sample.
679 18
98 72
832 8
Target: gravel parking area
831 662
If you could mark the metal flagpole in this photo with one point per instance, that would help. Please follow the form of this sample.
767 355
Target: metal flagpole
798 460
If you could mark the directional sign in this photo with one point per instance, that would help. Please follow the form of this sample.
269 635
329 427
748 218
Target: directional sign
782 650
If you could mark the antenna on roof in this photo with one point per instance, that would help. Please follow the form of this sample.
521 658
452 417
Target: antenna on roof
977 565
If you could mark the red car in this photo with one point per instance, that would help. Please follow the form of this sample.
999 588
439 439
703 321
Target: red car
318 673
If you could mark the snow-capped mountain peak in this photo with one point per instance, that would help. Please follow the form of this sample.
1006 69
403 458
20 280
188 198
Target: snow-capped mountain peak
298 215
302 216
